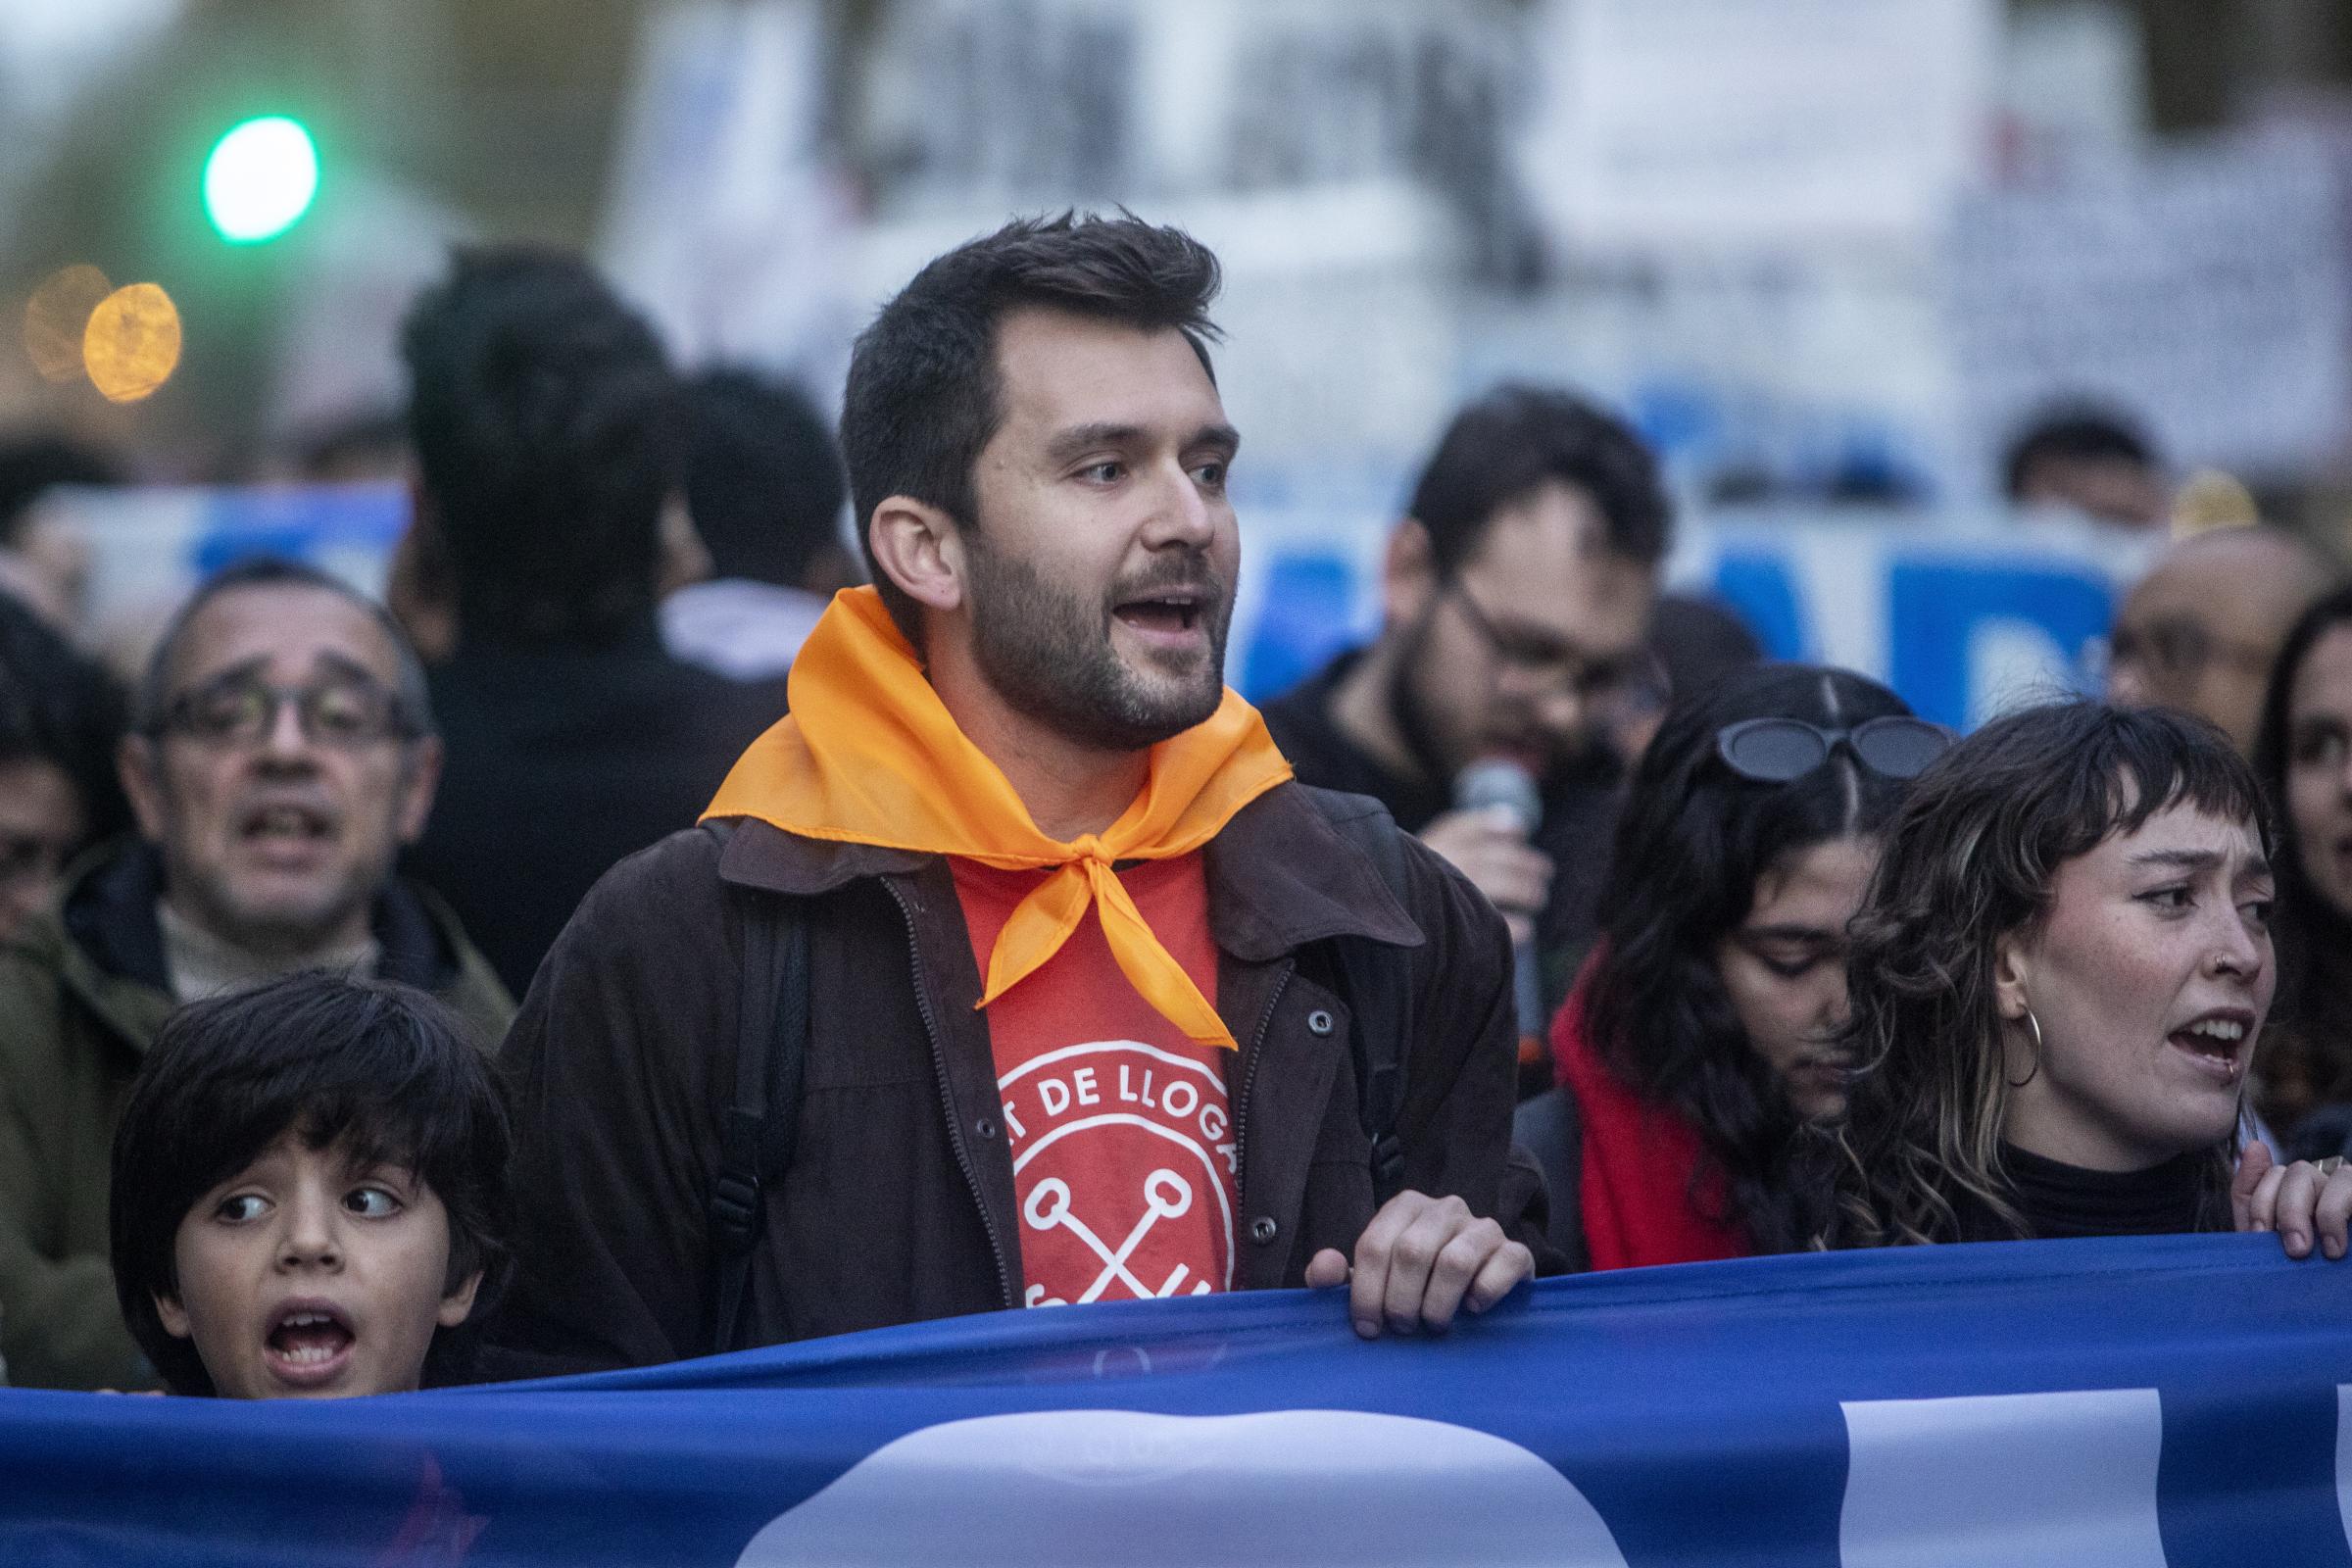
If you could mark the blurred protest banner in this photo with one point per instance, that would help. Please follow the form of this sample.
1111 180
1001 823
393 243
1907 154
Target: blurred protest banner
2127 1402
2208 290
1964 617
1964 614
148 547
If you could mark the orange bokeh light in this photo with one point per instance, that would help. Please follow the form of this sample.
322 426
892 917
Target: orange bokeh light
132 344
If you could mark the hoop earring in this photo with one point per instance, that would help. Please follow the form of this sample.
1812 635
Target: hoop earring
2034 1024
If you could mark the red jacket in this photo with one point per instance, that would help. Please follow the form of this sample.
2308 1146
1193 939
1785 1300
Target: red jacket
1643 1183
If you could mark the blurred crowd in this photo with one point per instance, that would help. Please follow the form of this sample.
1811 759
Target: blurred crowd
1788 966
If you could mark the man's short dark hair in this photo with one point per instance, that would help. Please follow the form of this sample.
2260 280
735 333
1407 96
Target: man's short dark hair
155 693
2076 433
382 1068
548 433
923 398
764 479
1515 439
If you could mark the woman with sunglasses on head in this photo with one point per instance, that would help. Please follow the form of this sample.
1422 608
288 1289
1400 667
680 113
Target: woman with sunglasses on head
2057 986
1700 1036
2303 756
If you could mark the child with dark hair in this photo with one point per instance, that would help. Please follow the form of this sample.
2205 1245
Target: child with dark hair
308 1193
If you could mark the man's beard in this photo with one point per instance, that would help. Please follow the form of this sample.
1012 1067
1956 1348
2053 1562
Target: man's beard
1425 738
1414 725
1047 653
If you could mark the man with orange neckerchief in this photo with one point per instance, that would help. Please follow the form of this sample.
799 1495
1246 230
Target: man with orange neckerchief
1074 1029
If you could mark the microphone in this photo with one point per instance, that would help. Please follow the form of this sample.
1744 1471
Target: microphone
1498 782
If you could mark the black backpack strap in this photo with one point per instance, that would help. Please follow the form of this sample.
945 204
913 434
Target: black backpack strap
1376 980
757 1129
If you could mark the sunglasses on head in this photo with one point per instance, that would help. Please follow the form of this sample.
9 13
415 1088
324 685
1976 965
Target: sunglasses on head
1774 750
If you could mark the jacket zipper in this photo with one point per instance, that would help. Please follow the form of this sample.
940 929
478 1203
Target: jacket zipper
1241 1106
947 1096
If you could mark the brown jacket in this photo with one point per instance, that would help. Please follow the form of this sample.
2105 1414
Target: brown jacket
899 1202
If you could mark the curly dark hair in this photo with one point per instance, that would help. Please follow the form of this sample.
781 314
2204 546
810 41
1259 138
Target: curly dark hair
1692 843
922 399
549 432
1970 860
383 1067
2307 1058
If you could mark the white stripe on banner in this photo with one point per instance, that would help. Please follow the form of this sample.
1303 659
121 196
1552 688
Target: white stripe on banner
1313 1488
2004 1480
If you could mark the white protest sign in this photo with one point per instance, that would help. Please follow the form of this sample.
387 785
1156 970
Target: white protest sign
1722 123
2207 290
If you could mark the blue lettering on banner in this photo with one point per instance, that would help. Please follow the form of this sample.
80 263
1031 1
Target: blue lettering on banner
1936 609
1960 616
1757 586
351 529
1307 620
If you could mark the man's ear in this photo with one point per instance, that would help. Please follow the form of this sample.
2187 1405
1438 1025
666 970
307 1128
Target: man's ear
140 764
919 548
1408 574
419 778
169 1314
459 1304
2012 976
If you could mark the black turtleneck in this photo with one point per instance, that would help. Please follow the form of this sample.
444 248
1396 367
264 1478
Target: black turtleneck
2059 1199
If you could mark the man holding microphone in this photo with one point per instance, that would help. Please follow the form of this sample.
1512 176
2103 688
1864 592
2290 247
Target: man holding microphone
1516 599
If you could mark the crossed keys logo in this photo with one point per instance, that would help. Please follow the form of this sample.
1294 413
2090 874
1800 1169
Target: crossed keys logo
1166 1195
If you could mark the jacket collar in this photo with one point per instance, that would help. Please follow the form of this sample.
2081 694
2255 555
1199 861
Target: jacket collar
111 936
1280 876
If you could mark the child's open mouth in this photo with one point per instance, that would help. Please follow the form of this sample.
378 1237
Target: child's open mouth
310 1346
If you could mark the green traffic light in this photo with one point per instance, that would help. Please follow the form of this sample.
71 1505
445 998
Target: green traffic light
259 180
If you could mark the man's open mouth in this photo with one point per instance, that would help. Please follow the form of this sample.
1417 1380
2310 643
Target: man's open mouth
1166 614
284 824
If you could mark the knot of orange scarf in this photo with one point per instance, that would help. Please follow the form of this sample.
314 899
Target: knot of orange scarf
870 755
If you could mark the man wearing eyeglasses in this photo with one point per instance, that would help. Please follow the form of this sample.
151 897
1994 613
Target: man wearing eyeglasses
1516 601
2200 631
282 753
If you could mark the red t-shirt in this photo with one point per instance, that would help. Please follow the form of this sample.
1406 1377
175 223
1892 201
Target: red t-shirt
1120 1132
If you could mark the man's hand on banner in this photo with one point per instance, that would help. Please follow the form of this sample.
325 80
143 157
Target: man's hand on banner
2300 1201
1421 1259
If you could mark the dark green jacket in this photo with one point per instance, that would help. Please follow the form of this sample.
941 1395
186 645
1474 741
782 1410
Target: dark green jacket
83 992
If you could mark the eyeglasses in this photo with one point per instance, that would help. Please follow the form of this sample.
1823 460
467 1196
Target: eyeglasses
1637 679
2179 648
239 711
1777 751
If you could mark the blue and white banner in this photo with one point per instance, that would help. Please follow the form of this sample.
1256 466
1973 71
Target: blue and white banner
2123 1403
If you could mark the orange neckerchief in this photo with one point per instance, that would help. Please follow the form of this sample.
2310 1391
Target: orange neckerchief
870 755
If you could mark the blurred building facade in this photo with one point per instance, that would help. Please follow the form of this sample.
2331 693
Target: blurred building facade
1773 231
